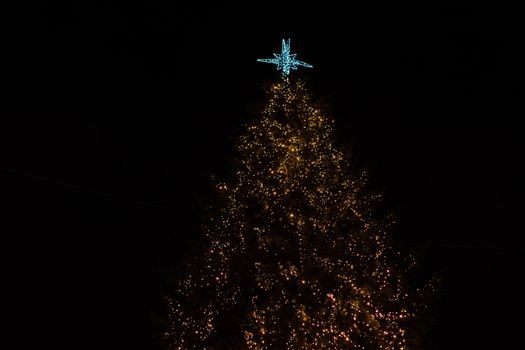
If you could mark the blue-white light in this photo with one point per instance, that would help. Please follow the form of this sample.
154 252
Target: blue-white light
285 61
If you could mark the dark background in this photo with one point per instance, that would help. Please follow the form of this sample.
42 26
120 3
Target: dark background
116 114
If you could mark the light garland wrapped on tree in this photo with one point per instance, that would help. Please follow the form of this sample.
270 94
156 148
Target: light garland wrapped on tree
295 256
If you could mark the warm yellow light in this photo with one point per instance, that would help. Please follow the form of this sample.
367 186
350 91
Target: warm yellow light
294 244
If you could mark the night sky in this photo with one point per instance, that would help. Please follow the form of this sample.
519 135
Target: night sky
117 114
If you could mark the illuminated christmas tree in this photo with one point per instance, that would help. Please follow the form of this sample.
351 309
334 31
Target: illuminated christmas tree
295 257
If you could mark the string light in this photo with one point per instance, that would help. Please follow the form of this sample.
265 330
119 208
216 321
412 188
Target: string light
294 250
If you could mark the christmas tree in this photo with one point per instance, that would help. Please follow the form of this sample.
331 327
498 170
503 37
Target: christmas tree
295 254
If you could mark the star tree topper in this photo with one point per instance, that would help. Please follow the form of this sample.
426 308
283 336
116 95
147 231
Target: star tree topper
285 61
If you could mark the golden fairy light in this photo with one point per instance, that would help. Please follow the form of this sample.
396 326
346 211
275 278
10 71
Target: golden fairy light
295 257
